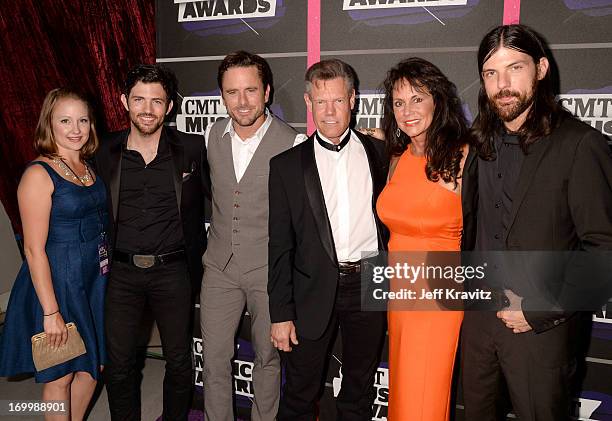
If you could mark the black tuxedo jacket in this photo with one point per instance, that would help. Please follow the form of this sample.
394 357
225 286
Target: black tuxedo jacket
303 267
191 183
562 201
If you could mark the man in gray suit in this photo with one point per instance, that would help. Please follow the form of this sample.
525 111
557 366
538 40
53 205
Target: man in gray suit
236 263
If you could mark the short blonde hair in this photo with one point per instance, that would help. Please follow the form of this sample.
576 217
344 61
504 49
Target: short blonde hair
44 141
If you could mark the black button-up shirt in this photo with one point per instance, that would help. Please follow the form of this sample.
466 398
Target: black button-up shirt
148 216
497 182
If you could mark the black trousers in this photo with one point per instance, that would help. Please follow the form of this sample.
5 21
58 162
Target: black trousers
167 291
537 369
362 337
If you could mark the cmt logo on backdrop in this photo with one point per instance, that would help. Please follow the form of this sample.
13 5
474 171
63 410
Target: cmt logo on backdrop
197 112
381 386
406 12
242 370
590 7
190 11
387 4
593 406
219 17
370 108
602 323
592 107
198 361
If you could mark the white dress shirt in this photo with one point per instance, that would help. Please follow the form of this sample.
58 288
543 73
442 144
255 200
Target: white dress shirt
243 150
347 189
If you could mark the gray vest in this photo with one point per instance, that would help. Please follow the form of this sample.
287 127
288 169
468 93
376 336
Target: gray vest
239 222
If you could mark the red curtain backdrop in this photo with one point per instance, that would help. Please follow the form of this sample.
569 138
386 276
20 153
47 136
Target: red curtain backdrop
45 44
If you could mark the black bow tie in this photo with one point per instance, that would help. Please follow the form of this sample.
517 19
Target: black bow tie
331 146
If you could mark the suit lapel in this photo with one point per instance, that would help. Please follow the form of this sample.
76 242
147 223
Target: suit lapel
530 164
176 151
377 181
466 180
314 191
378 176
116 155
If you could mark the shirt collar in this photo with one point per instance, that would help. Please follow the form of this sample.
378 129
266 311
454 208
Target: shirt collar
259 134
162 146
510 138
323 138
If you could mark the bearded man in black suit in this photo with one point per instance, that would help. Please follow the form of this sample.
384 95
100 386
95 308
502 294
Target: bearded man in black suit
540 183
156 179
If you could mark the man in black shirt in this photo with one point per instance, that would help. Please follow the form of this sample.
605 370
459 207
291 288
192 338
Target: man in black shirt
542 184
156 179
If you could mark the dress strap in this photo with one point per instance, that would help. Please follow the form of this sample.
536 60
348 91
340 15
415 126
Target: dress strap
55 177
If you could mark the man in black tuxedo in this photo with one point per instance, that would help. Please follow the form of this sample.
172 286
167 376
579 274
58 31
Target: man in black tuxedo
540 181
322 218
156 179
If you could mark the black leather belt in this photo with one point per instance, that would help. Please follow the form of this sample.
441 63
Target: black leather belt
348 268
145 261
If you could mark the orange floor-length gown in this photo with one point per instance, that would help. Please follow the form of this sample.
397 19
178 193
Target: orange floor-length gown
422 216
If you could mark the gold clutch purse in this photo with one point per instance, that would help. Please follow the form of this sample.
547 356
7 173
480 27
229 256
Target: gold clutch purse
45 356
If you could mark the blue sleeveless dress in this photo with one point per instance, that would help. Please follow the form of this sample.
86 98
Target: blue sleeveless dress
77 221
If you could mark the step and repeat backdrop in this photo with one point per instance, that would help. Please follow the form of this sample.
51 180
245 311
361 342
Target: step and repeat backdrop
373 35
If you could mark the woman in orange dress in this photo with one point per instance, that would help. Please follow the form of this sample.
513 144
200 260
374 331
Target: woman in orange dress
428 139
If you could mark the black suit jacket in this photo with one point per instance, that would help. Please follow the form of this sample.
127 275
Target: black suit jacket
188 157
562 201
303 267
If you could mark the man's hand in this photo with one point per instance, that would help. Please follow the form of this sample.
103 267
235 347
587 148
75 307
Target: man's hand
513 316
373 131
282 335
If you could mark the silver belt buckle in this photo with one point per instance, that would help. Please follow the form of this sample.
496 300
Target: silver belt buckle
143 261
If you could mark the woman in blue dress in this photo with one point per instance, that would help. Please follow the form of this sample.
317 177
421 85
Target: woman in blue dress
63 212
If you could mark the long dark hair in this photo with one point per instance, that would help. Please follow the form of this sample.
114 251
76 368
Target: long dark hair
448 132
544 115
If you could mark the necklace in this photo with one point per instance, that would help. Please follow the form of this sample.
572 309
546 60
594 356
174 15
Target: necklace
68 172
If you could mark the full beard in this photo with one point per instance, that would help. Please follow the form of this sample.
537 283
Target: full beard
510 112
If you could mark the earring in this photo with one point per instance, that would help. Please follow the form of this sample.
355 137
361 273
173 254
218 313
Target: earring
397 133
